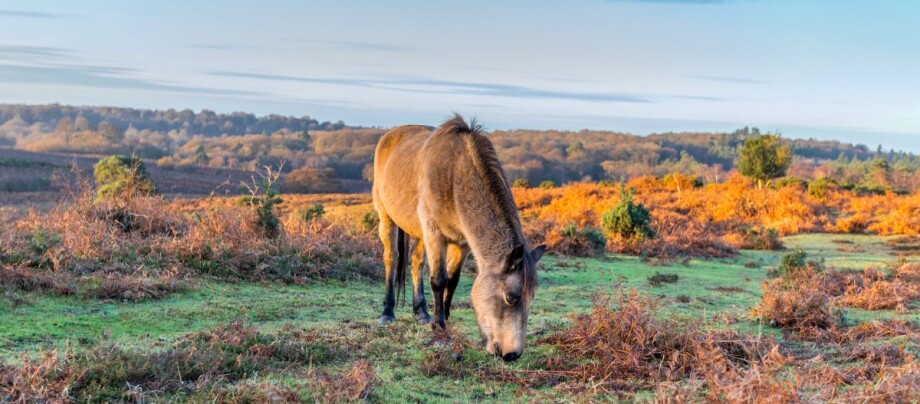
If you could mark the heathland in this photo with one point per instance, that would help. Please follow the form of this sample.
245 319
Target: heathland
173 277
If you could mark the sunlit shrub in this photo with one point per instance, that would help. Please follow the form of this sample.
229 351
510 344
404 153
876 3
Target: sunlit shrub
521 183
312 212
628 219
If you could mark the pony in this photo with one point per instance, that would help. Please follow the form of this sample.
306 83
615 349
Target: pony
441 193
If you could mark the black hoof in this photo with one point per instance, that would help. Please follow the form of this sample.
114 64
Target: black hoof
439 325
423 318
386 319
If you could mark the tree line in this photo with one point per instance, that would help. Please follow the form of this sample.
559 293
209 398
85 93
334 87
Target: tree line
186 139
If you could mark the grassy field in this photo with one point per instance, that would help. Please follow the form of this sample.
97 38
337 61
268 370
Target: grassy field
716 293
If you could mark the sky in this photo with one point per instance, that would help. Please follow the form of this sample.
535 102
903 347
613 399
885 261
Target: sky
831 69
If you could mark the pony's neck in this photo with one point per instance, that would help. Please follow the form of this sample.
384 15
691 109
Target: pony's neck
491 236
491 232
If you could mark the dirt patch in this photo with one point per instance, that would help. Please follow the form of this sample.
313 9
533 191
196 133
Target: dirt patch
726 289
658 279
904 246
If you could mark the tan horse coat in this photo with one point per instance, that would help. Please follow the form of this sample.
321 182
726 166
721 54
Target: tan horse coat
446 187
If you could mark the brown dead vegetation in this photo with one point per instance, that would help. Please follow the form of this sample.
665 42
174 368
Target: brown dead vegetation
141 248
207 365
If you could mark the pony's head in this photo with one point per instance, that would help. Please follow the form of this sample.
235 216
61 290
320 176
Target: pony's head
501 298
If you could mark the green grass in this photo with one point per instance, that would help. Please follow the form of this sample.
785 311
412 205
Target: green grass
706 290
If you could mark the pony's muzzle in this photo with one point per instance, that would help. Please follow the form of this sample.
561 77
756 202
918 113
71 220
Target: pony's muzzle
508 357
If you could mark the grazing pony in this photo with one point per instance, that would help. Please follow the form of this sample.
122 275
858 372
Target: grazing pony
441 193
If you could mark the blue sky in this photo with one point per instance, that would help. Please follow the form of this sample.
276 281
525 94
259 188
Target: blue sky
836 69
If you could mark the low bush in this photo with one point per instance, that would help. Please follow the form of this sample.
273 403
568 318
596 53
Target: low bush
521 183
121 178
312 212
628 220
760 238
571 240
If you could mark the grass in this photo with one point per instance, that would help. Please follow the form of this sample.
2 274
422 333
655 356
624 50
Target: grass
718 293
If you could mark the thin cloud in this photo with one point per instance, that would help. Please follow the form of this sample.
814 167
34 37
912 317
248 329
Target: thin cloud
227 47
356 45
29 14
407 84
697 97
673 1
736 80
19 51
97 77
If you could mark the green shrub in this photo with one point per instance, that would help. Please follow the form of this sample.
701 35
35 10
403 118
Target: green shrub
41 241
119 177
818 188
370 220
521 183
790 182
763 158
760 238
263 198
628 220
795 264
590 233
585 242
547 184
312 212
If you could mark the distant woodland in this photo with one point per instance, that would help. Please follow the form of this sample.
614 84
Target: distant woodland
316 154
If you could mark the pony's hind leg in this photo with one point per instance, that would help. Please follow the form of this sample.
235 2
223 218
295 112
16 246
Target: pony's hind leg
419 305
389 236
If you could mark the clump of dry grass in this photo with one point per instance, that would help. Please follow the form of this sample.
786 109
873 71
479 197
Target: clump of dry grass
42 379
24 278
882 329
676 236
197 362
800 305
873 289
136 287
878 295
908 272
905 245
762 381
609 350
354 384
619 347
893 384
141 248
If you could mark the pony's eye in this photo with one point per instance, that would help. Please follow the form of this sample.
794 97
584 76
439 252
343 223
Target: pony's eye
512 299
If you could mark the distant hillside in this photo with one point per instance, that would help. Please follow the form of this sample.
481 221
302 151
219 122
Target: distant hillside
323 154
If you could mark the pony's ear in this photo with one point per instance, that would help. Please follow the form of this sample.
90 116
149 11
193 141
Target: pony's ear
537 253
515 257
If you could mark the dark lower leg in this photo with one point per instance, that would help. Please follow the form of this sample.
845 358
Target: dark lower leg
419 305
456 255
388 237
438 287
452 282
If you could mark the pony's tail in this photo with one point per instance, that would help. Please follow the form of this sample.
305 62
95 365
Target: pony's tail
402 261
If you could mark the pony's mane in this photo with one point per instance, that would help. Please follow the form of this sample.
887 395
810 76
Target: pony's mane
490 168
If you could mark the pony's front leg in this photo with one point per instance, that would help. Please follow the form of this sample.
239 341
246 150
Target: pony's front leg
456 256
436 249
419 306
